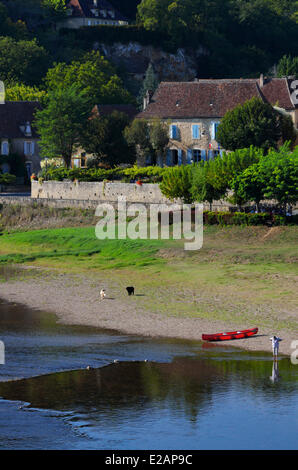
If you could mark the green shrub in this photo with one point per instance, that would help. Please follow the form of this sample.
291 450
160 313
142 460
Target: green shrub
146 174
243 218
7 178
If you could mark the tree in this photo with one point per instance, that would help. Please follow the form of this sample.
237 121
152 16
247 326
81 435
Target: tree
103 138
275 176
253 123
223 169
287 65
16 29
176 183
22 61
54 8
150 83
21 92
137 135
202 188
249 185
94 75
280 175
61 122
159 137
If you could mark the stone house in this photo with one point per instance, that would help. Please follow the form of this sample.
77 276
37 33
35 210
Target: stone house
91 13
18 136
193 111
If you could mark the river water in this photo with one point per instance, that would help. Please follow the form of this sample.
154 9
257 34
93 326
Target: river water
68 387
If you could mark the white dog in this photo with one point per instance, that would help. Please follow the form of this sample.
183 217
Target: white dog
102 294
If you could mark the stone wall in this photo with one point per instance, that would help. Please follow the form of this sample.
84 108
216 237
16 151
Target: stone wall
97 191
87 194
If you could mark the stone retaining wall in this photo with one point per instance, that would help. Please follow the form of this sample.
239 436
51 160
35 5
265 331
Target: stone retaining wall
89 194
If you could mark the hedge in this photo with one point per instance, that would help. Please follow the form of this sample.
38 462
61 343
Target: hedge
243 218
147 174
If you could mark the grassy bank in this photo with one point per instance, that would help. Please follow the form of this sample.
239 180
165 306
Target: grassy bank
245 275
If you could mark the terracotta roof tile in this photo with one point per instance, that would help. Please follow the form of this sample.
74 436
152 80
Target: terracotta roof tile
212 98
82 8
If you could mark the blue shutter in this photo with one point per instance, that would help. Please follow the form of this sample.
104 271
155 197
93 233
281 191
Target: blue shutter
169 158
210 154
203 153
173 132
195 131
180 157
189 156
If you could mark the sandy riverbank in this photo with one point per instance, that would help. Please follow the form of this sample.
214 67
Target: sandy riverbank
75 300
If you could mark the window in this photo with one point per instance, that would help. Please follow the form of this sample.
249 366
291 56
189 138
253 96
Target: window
173 131
195 131
4 148
197 155
28 148
214 130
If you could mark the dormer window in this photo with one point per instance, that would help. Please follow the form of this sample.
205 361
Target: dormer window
103 13
112 13
28 131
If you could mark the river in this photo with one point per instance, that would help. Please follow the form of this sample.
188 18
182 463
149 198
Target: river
70 387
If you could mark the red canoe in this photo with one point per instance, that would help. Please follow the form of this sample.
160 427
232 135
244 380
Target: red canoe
230 335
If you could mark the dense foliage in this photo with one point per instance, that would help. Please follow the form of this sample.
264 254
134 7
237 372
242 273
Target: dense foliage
242 176
243 37
240 38
61 121
254 123
103 138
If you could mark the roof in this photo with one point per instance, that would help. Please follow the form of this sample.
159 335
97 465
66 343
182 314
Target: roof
13 115
105 109
213 98
83 9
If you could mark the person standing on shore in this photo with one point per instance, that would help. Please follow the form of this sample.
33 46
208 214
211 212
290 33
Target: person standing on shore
275 345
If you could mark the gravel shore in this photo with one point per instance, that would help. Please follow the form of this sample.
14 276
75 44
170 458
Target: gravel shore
75 300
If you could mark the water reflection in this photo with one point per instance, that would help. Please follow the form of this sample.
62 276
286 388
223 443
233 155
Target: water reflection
275 372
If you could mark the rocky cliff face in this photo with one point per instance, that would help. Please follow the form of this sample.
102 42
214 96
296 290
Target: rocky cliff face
135 58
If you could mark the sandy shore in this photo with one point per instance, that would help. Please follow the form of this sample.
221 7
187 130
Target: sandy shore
75 300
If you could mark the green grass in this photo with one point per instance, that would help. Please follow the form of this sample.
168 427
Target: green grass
245 275
79 245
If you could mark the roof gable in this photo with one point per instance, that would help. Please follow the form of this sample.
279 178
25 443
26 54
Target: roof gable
94 9
13 118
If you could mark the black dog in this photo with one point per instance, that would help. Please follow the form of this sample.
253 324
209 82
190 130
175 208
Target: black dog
130 290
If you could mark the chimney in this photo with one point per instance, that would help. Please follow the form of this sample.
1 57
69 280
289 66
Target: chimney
147 99
261 80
